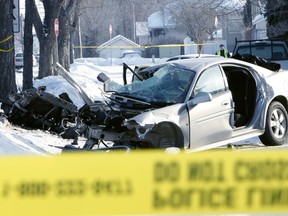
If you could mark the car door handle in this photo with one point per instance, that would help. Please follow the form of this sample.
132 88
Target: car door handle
224 103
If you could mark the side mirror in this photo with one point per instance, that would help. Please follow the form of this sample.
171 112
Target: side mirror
201 97
108 84
102 77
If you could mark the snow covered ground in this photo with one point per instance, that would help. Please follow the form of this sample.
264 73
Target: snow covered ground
18 141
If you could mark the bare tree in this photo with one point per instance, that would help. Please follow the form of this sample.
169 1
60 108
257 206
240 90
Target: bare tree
247 20
198 17
68 20
7 71
28 46
46 34
96 16
277 18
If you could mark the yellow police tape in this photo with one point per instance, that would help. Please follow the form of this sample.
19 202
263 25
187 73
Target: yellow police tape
6 50
5 40
144 183
143 47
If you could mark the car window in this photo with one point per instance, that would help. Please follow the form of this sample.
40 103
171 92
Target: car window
264 51
211 81
19 55
169 84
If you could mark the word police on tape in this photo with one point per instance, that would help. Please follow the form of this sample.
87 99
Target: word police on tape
143 183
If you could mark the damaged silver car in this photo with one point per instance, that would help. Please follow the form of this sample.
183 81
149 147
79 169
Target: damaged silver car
188 104
193 105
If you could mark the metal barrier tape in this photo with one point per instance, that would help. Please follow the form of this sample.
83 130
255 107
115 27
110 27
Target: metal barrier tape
144 47
144 183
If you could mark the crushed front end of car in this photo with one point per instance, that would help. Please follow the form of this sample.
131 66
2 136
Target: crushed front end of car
132 127
148 113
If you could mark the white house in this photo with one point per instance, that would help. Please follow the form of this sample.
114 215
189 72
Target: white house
115 47
260 29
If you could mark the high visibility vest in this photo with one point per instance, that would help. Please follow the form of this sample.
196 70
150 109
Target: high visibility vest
225 53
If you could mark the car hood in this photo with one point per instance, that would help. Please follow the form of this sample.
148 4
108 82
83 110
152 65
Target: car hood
173 113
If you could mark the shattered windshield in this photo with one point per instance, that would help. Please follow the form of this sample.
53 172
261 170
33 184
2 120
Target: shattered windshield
169 84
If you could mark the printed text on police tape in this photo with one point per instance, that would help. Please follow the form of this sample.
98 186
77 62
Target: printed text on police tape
210 185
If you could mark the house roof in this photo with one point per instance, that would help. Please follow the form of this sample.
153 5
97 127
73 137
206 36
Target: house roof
160 19
259 18
115 39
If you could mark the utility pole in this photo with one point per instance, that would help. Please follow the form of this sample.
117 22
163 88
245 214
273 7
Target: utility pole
110 33
134 22
80 38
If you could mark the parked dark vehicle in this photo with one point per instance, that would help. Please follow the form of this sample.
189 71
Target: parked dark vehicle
273 50
19 60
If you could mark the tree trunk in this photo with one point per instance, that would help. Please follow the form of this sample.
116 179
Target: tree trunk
7 52
46 56
68 19
74 28
71 48
28 47
46 35
64 40
247 20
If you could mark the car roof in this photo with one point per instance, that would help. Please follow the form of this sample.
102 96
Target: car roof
199 64
260 42
189 56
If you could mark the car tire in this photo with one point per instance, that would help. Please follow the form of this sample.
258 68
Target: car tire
276 125
168 136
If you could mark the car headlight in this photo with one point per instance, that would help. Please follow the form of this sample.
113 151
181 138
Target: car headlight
141 130
130 124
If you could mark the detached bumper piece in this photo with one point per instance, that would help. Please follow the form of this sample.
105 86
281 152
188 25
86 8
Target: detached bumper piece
37 109
72 148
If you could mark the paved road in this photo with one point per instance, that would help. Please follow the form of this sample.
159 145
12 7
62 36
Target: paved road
254 144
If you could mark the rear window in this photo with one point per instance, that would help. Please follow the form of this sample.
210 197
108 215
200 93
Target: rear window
266 51
19 55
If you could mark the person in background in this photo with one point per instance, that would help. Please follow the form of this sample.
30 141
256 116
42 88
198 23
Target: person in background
223 52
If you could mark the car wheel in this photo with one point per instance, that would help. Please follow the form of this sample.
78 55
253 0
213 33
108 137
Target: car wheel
168 137
276 125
